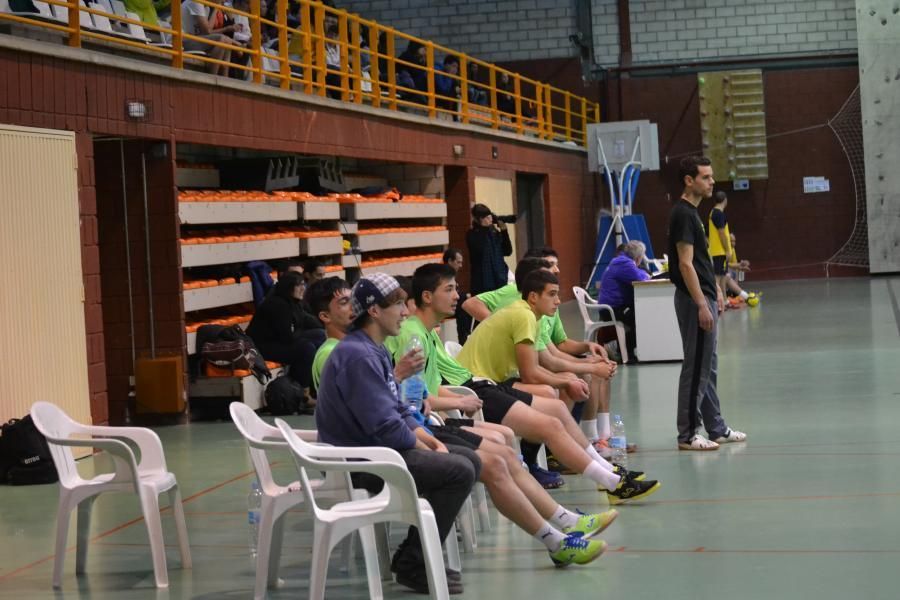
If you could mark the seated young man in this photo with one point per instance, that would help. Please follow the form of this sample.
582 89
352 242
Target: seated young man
556 351
515 494
492 355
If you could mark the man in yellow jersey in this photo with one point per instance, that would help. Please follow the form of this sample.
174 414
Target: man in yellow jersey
720 239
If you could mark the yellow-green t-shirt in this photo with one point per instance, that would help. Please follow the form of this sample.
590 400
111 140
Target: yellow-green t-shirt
549 328
322 355
491 349
439 366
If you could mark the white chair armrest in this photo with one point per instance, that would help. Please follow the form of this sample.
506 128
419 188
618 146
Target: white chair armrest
152 456
360 453
123 457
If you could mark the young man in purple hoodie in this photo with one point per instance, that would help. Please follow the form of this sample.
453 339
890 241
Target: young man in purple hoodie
359 405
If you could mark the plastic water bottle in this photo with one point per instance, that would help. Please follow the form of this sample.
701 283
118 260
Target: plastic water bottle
254 503
617 443
412 390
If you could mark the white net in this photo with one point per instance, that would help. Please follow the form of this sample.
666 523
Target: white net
847 127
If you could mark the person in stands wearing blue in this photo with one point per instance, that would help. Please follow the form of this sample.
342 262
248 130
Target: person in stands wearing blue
359 405
616 287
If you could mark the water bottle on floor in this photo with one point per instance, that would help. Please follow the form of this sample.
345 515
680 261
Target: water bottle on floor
254 503
617 443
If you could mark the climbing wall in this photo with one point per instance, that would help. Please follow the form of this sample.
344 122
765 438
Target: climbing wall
878 30
733 123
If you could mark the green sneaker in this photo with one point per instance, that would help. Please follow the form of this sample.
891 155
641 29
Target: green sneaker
577 550
590 525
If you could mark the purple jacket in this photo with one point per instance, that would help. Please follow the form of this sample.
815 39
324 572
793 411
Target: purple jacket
615 287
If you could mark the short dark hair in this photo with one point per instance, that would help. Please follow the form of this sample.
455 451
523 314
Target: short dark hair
537 281
406 284
689 166
287 283
721 197
285 265
321 293
450 254
451 59
428 278
311 264
541 252
527 266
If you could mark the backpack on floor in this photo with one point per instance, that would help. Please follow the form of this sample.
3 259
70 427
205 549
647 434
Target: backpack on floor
284 396
24 454
231 348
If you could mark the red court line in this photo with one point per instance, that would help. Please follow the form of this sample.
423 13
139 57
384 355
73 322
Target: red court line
117 528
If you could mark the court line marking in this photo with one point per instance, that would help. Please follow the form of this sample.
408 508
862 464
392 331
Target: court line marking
894 304
122 526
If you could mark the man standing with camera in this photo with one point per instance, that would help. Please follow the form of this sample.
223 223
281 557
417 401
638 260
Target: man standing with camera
488 242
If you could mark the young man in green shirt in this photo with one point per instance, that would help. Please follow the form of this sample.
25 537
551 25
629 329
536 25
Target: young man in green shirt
498 346
565 534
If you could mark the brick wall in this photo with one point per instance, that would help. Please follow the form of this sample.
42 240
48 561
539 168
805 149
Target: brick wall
661 30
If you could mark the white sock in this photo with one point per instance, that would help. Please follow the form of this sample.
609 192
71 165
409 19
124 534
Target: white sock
589 428
595 456
550 537
563 517
600 475
603 422
744 295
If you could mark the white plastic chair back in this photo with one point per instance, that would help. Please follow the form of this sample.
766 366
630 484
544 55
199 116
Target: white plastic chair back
452 348
591 326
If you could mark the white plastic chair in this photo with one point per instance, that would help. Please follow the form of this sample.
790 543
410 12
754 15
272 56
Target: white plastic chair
452 348
278 499
147 478
587 304
397 501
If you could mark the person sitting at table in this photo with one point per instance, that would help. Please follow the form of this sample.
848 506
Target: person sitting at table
616 288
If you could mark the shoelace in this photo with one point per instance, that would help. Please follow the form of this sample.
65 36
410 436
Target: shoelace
574 543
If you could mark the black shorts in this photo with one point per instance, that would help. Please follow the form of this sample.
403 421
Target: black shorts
719 265
497 399
449 434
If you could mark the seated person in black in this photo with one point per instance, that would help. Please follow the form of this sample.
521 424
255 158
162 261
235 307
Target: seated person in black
284 332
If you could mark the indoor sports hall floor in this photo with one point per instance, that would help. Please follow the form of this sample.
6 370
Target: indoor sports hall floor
808 508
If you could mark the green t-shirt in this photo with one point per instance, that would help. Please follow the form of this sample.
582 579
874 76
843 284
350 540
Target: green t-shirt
322 355
439 365
550 328
491 349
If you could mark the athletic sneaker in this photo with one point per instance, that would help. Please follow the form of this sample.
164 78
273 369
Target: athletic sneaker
577 550
547 479
590 525
732 436
633 475
557 467
698 443
629 490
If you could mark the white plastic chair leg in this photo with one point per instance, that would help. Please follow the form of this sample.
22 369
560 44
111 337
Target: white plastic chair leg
542 457
620 334
451 546
275 552
264 544
83 533
150 506
383 547
63 514
466 520
434 561
184 546
318 572
481 505
370 555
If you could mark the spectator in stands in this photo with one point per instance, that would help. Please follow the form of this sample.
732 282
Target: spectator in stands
506 101
359 406
144 9
284 332
617 291
313 270
445 85
413 75
196 19
453 258
477 93
488 242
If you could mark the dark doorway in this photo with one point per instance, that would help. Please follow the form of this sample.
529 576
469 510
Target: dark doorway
530 212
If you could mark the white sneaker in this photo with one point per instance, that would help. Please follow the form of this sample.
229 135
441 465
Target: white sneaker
699 443
732 436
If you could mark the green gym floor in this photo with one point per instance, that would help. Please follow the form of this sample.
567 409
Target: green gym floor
809 507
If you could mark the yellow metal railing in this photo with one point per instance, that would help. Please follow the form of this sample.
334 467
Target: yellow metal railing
363 66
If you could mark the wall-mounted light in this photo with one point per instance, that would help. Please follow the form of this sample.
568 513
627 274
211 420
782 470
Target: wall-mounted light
137 110
495 153
459 150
